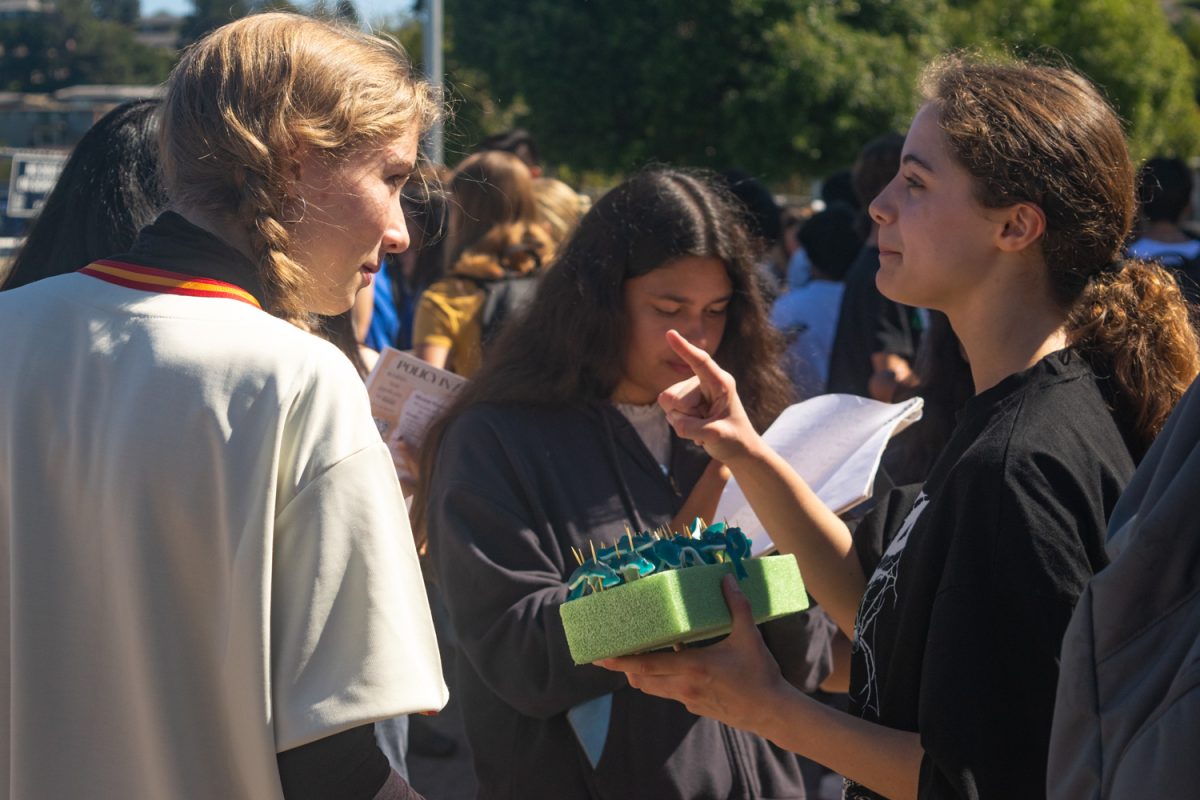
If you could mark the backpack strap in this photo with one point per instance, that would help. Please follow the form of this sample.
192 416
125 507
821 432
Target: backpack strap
502 297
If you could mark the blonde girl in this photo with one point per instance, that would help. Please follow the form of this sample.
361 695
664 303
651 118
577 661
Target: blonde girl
211 588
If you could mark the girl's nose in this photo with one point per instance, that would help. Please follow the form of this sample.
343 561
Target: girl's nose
694 331
395 237
881 209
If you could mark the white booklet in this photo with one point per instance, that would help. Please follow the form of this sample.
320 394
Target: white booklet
835 442
407 395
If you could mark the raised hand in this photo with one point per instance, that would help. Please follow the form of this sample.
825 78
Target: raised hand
705 408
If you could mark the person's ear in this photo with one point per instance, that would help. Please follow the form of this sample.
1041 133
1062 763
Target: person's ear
1023 225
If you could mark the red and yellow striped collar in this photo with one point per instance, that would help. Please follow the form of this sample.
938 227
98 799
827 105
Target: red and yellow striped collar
149 279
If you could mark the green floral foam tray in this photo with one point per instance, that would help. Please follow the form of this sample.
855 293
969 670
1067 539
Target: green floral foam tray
677 606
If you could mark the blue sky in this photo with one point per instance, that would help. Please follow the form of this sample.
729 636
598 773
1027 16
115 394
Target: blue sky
368 10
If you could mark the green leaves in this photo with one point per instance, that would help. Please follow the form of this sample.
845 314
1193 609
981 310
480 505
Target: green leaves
782 88
787 87
70 47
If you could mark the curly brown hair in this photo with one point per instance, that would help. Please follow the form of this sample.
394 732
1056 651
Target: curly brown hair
1031 133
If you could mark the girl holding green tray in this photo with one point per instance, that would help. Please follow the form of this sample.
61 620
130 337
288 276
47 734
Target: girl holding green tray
1013 199
558 443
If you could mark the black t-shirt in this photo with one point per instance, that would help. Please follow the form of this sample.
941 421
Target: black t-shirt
960 626
868 323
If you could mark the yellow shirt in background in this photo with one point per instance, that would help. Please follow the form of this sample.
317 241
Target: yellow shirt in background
448 316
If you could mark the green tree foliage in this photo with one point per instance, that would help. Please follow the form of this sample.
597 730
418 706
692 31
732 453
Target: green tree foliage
125 12
787 87
473 111
840 75
341 10
210 14
1127 47
612 86
1185 21
69 47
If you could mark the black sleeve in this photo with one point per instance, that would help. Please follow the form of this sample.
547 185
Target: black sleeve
850 353
346 766
886 325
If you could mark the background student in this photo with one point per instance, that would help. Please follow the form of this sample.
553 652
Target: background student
557 443
496 245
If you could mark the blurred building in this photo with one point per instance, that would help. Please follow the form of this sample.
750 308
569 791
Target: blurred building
159 30
59 119
18 9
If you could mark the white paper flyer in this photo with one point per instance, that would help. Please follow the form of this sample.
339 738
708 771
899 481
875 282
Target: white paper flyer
835 442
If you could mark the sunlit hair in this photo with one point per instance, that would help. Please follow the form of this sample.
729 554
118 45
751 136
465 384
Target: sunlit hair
559 207
247 101
1044 135
494 216
569 346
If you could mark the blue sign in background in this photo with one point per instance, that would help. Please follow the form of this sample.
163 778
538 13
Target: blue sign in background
30 181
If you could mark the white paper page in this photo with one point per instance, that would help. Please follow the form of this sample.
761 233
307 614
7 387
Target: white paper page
835 442
407 395
398 374
419 412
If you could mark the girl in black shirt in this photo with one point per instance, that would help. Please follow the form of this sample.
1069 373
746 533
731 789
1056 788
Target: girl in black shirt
1014 196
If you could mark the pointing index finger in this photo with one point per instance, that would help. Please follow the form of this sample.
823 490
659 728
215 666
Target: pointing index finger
700 361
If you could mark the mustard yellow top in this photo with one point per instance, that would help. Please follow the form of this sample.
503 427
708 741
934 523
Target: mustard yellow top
448 313
448 316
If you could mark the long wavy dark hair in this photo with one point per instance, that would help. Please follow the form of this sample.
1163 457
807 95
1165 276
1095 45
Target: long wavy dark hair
108 189
569 345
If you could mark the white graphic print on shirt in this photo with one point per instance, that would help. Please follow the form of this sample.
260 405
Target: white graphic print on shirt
881 585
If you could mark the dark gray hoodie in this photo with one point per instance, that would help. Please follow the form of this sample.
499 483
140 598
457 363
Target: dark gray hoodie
1127 715
513 490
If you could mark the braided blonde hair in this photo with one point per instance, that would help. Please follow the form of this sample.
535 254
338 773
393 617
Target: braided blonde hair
249 98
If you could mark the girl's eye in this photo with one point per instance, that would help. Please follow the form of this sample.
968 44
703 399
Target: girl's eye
912 182
667 312
718 311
